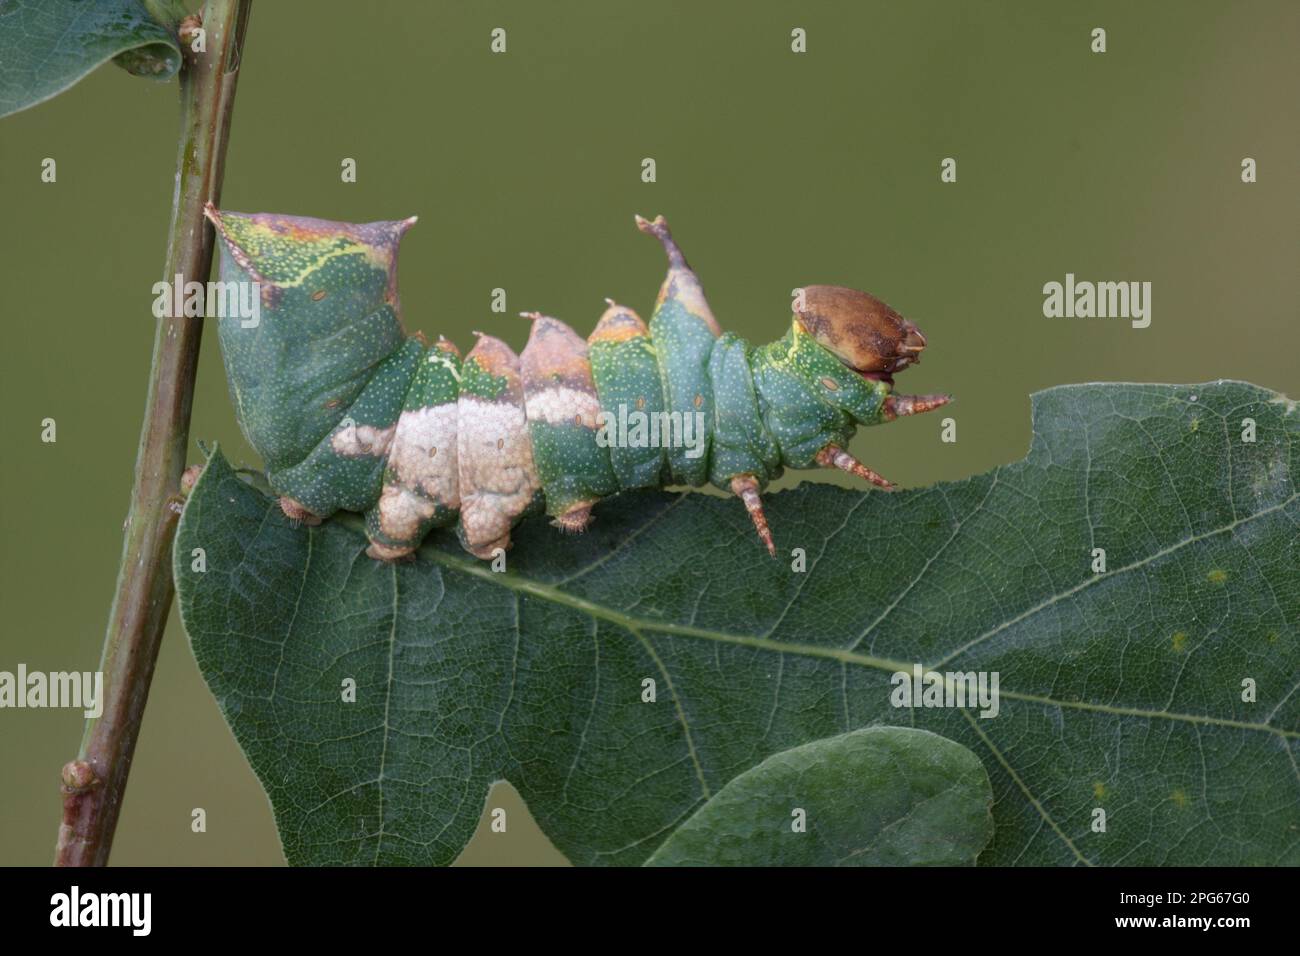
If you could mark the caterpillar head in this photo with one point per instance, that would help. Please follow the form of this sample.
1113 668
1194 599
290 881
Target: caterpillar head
860 330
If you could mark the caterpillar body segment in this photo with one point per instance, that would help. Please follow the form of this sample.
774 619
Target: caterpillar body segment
563 413
684 333
625 368
499 483
349 413
421 482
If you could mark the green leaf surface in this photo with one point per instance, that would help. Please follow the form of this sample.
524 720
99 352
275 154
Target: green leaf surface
48 45
1120 691
881 796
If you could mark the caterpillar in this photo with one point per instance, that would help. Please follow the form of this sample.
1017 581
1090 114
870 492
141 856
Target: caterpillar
350 413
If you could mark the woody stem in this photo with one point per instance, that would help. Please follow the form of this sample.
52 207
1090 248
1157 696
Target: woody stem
94 784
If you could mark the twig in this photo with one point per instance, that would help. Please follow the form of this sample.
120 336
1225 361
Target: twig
94 783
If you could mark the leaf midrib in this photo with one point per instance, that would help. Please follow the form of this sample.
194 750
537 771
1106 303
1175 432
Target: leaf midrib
638 626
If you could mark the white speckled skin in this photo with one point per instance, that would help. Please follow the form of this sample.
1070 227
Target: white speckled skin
497 475
423 457
561 406
361 440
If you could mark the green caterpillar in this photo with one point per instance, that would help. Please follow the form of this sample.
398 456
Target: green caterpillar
349 413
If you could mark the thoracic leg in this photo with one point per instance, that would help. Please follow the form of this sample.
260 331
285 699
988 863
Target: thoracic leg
833 456
896 405
746 488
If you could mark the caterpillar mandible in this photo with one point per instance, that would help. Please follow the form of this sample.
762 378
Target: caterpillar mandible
349 413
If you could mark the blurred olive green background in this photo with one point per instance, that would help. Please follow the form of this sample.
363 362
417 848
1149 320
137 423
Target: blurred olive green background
775 170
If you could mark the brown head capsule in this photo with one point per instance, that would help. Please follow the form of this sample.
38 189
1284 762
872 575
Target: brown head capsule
863 332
